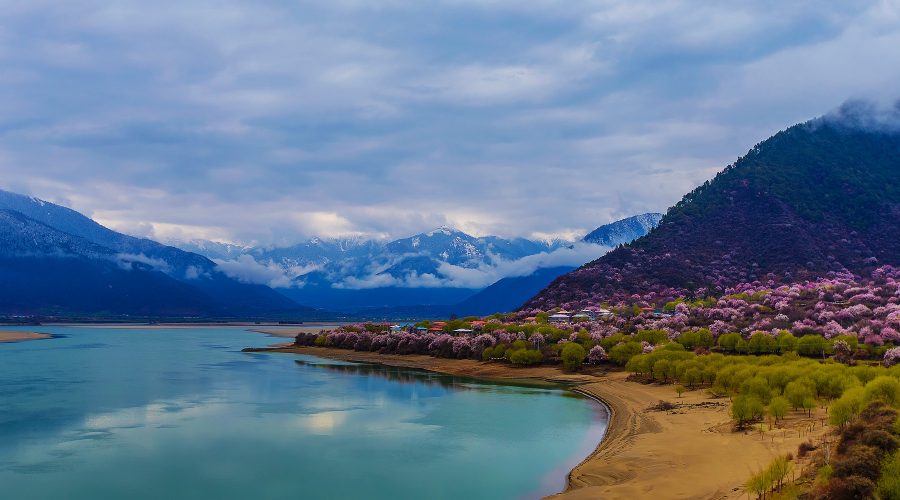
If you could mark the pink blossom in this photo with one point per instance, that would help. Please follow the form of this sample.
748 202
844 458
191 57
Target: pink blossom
892 356
596 354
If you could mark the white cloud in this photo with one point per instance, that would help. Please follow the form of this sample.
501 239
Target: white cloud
274 122
127 261
246 269
454 276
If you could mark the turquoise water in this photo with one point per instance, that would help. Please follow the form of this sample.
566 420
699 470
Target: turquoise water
182 413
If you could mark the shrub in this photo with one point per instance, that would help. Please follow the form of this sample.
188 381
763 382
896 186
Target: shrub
525 356
804 449
849 488
880 440
857 461
889 484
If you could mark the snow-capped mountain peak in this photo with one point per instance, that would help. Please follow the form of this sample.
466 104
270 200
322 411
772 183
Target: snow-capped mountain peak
624 231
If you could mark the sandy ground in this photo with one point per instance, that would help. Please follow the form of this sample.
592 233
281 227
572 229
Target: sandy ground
689 452
7 336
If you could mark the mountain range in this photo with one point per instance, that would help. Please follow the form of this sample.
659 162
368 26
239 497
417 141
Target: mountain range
817 198
442 267
55 261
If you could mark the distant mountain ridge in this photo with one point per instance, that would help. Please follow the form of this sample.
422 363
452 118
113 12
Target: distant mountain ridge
357 274
400 262
819 197
97 271
508 293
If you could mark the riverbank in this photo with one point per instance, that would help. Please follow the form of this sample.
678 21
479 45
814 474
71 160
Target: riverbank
12 336
686 452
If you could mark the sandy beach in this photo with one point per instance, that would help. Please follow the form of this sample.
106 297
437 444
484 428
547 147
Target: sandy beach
688 452
9 336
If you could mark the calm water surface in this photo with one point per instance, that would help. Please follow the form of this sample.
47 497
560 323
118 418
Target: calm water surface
182 413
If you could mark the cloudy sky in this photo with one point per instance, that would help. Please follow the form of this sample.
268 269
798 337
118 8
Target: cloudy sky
273 121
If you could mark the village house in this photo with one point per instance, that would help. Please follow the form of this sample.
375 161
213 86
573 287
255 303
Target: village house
559 318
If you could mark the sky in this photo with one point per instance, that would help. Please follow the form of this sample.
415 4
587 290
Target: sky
270 122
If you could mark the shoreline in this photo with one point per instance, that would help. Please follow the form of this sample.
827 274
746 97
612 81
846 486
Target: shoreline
15 336
687 452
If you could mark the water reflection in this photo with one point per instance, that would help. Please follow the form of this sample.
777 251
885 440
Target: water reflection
184 414
428 378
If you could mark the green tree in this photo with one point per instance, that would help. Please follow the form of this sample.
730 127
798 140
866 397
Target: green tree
758 484
762 343
757 387
778 470
813 345
692 376
883 388
621 353
729 341
799 391
572 356
661 370
778 407
846 408
786 342
745 409
680 390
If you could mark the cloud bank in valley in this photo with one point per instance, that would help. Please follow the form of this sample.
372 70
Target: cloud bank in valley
249 270
277 121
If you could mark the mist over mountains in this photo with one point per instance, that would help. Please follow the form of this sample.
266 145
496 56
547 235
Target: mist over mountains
55 261
439 267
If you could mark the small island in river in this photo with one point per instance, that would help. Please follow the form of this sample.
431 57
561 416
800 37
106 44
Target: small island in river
14 336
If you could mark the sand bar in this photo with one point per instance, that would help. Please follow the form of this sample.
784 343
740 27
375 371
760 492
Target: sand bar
689 452
12 336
